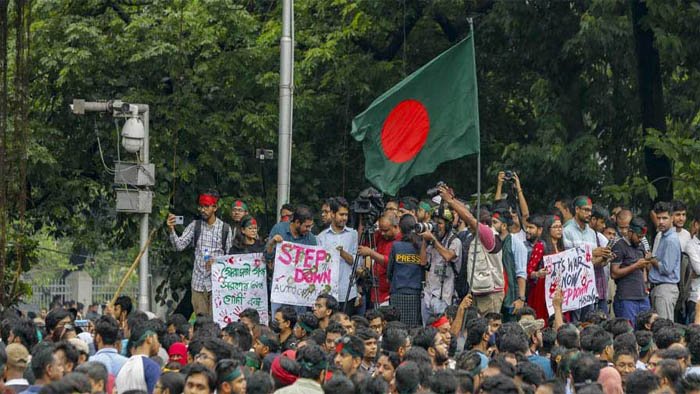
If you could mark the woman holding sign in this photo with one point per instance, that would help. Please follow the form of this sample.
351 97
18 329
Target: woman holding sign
246 240
552 242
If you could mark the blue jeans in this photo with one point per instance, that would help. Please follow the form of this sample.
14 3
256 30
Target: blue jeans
431 307
629 309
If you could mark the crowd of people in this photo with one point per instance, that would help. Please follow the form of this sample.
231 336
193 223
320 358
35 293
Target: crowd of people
434 296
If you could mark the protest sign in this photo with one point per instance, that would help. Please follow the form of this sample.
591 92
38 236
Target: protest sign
302 273
238 282
572 271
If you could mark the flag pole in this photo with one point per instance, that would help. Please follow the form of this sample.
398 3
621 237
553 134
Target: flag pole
478 174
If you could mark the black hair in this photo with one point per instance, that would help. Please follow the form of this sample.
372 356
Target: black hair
252 314
221 349
678 205
476 328
365 333
407 377
530 373
259 383
393 339
549 339
425 337
138 334
393 358
688 384
585 368
600 212
549 246
359 321
373 314
663 206
692 338
499 384
641 382
624 351
618 326
355 345
595 339
308 319
224 367
136 318
555 385
373 385
504 366
174 382
671 370
572 204
302 213
107 328
272 342
390 313
287 207
312 361
74 382
418 355
336 203
25 330
443 381
406 224
661 323
240 335
42 357
339 384
666 336
168 340
72 354
318 336
525 311
465 381
124 303
331 302
645 341
511 337
55 316
567 336
335 328
469 361
288 314
96 371
675 353
208 373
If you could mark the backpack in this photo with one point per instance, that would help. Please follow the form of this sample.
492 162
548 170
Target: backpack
225 230
462 275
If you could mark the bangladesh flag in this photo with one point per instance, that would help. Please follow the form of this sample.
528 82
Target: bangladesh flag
430 117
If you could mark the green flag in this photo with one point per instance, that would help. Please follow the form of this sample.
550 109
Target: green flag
430 117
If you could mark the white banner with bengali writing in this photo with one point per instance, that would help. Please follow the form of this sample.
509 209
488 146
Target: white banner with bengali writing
238 282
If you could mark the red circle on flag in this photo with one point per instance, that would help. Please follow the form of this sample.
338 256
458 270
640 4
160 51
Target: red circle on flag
405 131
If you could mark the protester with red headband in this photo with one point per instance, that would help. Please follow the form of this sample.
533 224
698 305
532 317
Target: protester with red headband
239 210
210 237
628 271
247 240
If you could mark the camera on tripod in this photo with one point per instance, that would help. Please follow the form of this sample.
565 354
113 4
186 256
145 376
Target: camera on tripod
368 203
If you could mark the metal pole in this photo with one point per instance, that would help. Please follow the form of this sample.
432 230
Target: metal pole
285 109
144 294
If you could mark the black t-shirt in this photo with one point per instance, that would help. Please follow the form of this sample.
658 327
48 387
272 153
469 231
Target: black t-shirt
257 247
630 287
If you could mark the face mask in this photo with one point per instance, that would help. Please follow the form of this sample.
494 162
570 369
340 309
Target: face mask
492 340
275 326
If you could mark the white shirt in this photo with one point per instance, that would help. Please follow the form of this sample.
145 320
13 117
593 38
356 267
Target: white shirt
693 251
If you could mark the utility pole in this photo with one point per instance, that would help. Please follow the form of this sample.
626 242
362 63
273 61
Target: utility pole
284 164
133 179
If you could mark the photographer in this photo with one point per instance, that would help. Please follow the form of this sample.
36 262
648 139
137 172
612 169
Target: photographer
485 272
443 250
518 221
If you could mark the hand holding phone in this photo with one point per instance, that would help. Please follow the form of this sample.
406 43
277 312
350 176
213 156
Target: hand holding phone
179 220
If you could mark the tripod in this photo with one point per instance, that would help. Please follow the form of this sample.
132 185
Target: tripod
366 235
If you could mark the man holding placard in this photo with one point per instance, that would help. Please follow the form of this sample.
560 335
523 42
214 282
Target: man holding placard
338 237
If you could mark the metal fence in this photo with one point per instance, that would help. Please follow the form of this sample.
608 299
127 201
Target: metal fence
42 296
103 289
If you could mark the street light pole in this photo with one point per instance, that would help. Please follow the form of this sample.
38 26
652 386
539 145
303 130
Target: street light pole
286 103
144 294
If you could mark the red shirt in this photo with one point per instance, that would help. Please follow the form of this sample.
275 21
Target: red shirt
383 247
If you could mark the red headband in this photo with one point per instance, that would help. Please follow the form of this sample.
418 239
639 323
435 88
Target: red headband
556 217
442 320
253 222
497 216
401 205
207 200
281 374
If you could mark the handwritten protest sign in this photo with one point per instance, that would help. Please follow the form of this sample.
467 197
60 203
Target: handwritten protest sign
572 271
238 282
301 273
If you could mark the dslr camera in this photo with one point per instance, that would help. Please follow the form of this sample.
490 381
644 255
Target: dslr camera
508 175
421 228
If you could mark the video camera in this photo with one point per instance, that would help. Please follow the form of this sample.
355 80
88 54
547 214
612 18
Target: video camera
434 191
368 203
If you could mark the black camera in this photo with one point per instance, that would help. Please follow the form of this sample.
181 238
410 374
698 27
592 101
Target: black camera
369 203
508 175
434 191
421 228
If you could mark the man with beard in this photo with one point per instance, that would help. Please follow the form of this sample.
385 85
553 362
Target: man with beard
627 268
430 339
514 259
383 239
444 251
338 237
577 233
239 210
326 216
210 237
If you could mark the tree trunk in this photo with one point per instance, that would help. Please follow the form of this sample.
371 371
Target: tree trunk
3 144
651 97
